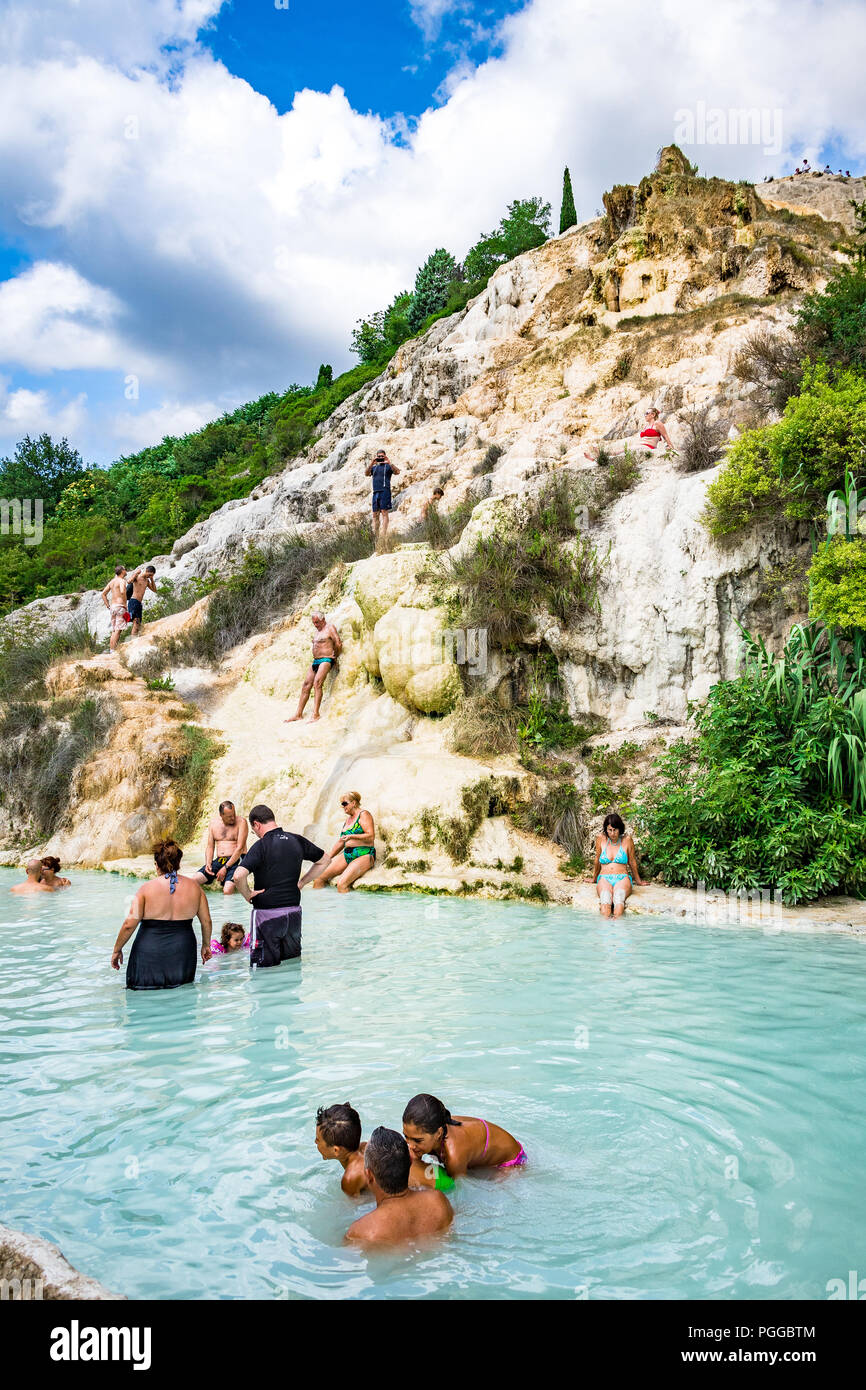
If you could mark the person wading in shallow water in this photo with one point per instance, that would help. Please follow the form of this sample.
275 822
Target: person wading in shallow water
326 648
50 870
276 861
163 954
33 882
403 1214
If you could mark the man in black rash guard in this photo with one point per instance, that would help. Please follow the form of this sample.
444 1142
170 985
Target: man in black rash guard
276 860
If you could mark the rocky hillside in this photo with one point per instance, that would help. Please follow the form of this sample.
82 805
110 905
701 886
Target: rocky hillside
568 345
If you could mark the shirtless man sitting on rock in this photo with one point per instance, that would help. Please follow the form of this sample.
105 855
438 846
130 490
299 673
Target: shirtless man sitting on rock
226 843
326 648
114 598
142 579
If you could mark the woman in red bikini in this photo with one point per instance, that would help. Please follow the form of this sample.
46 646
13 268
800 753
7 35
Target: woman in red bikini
457 1141
646 443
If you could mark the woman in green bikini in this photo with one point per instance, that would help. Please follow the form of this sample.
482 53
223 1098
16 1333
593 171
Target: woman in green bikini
354 852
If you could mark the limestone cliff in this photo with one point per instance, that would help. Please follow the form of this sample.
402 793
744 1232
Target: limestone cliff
568 344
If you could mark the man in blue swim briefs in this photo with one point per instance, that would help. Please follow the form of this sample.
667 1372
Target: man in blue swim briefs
141 579
380 469
326 648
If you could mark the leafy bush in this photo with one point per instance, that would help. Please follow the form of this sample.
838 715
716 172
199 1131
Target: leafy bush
837 583
772 792
792 464
831 324
192 777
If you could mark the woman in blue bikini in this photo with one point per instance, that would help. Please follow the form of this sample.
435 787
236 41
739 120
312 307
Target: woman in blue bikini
612 849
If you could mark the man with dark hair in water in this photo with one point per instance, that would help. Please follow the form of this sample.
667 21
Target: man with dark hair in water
402 1213
276 860
142 579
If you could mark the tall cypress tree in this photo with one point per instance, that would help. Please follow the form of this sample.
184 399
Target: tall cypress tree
568 216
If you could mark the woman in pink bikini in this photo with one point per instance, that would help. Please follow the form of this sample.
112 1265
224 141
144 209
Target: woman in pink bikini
459 1142
646 443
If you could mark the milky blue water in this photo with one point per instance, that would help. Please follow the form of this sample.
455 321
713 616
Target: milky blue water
691 1101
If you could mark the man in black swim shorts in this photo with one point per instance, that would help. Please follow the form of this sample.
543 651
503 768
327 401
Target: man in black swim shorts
141 580
380 469
276 860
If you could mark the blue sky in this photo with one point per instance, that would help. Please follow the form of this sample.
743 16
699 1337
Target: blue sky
199 199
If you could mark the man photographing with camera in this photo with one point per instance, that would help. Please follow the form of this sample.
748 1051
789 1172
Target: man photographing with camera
380 469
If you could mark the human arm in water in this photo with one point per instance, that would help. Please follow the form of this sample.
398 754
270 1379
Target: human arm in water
318 868
130 922
203 914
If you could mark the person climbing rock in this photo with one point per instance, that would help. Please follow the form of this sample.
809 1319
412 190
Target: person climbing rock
326 648
142 579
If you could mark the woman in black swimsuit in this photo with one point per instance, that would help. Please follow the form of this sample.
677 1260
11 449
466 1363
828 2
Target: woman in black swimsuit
163 954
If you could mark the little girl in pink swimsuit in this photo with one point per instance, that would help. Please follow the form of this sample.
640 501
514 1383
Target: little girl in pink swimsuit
232 939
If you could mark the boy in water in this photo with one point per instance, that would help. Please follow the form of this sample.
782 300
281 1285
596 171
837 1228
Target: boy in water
338 1135
402 1214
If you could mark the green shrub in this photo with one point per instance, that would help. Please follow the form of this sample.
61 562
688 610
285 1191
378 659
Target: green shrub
42 747
192 776
772 792
25 656
831 324
793 464
837 583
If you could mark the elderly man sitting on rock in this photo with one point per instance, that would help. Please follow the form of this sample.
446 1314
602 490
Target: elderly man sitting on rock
326 648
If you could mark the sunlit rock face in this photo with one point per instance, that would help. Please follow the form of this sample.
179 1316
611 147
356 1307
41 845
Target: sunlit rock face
567 345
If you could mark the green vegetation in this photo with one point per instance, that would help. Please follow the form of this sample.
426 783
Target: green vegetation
532 563
491 796
837 584
25 656
95 518
772 792
192 775
443 287
555 809
42 747
568 212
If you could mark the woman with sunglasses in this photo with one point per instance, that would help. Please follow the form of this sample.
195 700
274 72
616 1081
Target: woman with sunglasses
354 851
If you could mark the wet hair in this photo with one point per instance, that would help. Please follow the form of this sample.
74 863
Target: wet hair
387 1157
229 930
224 804
118 569
262 814
428 1114
616 821
340 1126
168 855
50 861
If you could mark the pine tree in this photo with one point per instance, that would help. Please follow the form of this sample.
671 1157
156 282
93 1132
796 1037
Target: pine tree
568 216
432 284
325 377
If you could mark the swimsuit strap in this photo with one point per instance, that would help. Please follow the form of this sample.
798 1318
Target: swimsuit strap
172 880
486 1136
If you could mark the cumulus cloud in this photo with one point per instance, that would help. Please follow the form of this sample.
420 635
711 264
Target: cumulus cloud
184 225
23 411
136 431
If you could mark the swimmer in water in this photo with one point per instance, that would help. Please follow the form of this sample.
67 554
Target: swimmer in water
338 1136
233 937
459 1142
50 870
33 882
403 1214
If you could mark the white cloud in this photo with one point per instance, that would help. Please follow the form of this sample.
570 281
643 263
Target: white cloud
190 233
31 412
135 431
428 14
